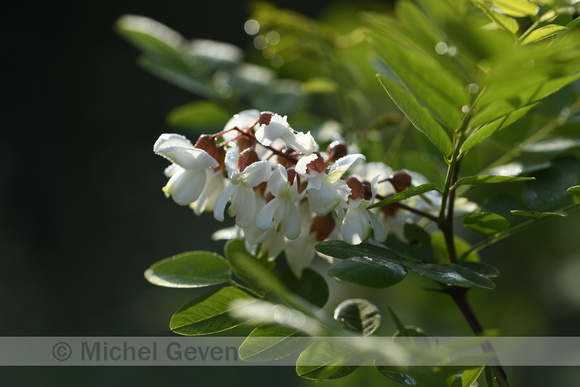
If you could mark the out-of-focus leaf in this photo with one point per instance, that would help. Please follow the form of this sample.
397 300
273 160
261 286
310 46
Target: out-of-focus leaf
551 184
202 115
367 271
461 247
490 179
517 168
574 190
358 315
485 223
150 36
418 115
320 358
281 96
408 193
543 33
538 214
553 145
505 22
190 270
270 342
209 313
488 130
517 8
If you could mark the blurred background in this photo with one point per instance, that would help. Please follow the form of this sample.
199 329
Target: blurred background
82 214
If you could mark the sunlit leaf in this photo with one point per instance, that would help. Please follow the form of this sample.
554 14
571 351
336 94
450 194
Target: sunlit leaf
517 8
418 115
190 270
502 21
209 313
543 33
324 357
270 342
366 271
488 130
408 193
574 190
150 35
553 145
538 214
485 223
359 315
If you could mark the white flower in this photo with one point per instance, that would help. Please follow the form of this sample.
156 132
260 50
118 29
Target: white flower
278 128
188 172
281 212
242 120
300 252
359 221
240 190
215 183
326 190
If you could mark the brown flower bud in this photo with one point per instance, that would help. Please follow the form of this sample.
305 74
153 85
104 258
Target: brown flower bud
322 226
265 118
317 164
400 181
390 209
357 190
293 177
368 191
336 150
244 143
207 143
247 158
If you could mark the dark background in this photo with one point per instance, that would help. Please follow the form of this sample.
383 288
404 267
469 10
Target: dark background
82 214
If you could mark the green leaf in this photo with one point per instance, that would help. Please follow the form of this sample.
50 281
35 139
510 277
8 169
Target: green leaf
311 286
397 377
451 274
150 36
488 130
538 214
550 186
468 377
517 8
342 250
490 179
574 190
517 168
505 22
484 269
373 272
543 33
418 115
418 190
402 249
190 270
485 223
429 82
270 342
420 240
201 115
400 327
247 267
358 315
209 313
322 357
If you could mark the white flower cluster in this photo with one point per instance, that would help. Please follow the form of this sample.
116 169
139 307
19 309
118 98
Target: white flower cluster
284 193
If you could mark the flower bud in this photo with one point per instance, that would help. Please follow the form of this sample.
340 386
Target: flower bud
322 226
293 177
247 158
400 181
317 164
357 190
265 118
207 143
244 143
336 150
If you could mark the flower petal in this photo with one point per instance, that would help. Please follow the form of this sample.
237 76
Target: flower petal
171 139
380 232
342 165
247 210
257 173
293 224
188 157
221 201
355 227
265 218
186 186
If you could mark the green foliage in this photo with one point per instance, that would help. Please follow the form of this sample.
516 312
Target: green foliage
190 270
491 87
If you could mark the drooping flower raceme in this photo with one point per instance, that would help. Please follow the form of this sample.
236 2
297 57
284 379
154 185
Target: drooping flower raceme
285 194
